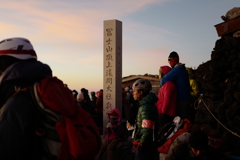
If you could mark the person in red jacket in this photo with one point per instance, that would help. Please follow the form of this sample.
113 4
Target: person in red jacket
167 99
113 135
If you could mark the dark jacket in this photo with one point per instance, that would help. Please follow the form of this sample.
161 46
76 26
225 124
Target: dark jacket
18 120
147 111
183 152
179 76
130 108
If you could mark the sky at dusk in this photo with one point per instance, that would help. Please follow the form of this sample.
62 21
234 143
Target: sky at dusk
68 35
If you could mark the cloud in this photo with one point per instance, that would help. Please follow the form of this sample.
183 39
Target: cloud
78 21
62 31
58 23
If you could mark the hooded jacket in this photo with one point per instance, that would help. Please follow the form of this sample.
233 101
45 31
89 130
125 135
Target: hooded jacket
179 76
147 120
19 118
112 132
193 84
167 97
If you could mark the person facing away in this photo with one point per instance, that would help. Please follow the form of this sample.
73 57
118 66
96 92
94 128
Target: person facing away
197 148
19 68
85 95
194 88
74 93
145 134
113 135
179 76
85 101
94 97
167 99
99 102
99 110
194 92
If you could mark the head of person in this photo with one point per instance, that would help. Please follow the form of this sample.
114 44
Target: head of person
84 91
127 89
100 93
93 94
13 50
163 71
114 115
74 93
80 97
173 59
198 142
141 88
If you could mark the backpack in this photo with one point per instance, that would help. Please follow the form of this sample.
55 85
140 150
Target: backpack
173 130
169 129
67 131
165 133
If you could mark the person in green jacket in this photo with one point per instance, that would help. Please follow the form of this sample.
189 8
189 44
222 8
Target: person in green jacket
145 134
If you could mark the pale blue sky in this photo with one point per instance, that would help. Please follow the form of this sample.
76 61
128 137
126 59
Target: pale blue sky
67 35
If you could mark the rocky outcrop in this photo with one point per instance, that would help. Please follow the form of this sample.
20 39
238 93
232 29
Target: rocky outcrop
219 81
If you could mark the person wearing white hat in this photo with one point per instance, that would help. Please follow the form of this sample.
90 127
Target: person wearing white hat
19 69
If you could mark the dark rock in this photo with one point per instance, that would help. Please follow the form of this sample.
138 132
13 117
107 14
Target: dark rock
219 82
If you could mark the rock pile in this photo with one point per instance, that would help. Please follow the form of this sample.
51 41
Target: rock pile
219 82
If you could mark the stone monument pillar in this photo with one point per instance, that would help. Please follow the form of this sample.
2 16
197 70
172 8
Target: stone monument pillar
112 81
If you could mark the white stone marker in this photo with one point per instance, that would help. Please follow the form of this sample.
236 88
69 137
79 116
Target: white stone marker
112 81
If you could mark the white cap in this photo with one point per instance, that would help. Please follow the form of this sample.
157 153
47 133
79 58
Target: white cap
20 48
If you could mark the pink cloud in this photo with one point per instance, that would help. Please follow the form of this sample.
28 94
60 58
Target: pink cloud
70 28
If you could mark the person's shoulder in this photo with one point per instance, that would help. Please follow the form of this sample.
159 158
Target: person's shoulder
180 65
145 107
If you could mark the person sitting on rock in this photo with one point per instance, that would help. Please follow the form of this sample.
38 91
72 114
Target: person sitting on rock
196 149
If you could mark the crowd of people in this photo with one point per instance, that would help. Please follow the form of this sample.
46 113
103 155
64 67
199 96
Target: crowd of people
158 126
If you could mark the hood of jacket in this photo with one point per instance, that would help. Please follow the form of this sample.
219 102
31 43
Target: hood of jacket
179 64
117 112
20 75
165 69
26 71
190 73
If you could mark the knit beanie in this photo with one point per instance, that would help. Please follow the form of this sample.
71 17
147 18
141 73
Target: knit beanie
199 140
173 55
